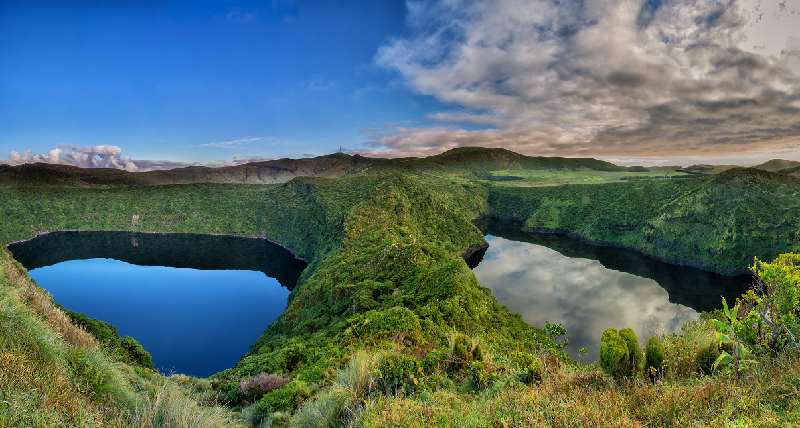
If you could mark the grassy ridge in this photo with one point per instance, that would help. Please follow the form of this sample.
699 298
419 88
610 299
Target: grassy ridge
395 284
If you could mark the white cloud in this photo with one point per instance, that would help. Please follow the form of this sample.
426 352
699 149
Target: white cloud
103 156
106 156
606 77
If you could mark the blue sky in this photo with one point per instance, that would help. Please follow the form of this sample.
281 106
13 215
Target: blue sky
107 83
171 80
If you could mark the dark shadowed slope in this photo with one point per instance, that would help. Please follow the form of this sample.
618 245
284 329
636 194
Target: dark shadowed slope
180 250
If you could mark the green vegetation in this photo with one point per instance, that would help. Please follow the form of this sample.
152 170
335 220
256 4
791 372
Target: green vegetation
388 325
620 356
534 178
717 223
127 348
654 358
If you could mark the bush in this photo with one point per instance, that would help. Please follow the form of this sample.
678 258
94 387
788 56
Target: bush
775 304
634 361
434 360
286 398
260 384
614 353
463 351
460 349
396 321
706 357
480 375
654 358
397 373
135 352
533 372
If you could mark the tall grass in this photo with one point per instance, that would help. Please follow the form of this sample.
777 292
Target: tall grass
170 405
342 403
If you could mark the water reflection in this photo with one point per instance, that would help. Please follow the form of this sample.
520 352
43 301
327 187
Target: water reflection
587 296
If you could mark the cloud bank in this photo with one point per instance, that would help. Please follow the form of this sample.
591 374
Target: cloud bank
600 78
106 156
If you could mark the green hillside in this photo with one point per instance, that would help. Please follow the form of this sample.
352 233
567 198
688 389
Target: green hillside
389 326
717 223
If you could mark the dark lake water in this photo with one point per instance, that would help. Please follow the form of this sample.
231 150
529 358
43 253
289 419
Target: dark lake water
195 302
589 288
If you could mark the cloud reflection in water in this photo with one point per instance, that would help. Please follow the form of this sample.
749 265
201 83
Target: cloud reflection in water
586 297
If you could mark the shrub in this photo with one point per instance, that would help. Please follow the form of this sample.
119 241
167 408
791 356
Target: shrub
775 302
613 353
397 373
285 398
706 357
533 372
634 361
434 360
480 375
135 352
460 349
396 321
291 357
463 351
654 358
260 384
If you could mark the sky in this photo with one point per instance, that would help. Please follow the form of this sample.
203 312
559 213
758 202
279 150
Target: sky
155 84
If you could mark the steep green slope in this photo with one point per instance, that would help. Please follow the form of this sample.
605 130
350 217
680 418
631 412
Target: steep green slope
718 223
396 283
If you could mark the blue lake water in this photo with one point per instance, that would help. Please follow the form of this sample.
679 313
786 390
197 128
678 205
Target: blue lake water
197 318
588 288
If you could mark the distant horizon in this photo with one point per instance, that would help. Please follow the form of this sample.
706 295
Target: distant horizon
163 165
152 85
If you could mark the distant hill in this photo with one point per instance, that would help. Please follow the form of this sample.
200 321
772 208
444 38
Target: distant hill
703 169
778 165
794 172
466 160
480 158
